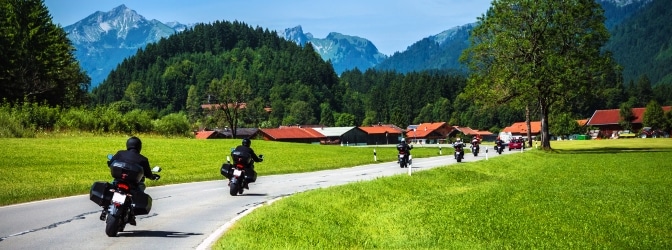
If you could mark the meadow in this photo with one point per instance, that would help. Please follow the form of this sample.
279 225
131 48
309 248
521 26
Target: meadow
52 166
602 194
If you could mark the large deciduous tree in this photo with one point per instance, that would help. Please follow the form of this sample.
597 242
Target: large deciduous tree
36 59
536 53
232 93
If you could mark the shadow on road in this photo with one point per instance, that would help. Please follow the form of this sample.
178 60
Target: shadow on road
166 234
253 194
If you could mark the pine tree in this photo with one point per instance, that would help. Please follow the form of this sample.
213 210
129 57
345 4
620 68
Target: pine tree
37 60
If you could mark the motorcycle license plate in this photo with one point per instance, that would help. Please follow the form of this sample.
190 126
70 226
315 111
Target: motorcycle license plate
237 172
118 198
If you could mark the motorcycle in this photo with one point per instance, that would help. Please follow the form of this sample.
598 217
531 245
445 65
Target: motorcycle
237 174
402 160
499 148
401 157
474 149
120 202
459 152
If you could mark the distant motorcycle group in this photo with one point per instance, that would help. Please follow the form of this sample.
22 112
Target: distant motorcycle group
124 198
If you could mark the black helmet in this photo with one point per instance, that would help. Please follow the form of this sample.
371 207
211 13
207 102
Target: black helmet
247 142
134 143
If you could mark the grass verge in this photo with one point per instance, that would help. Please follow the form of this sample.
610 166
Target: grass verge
57 166
584 195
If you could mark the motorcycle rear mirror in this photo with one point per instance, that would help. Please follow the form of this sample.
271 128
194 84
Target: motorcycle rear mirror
156 169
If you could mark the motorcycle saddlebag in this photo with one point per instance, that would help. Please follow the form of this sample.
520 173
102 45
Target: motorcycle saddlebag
142 203
251 177
226 170
128 172
100 193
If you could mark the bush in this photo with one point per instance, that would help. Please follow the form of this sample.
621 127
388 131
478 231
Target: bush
77 119
173 124
12 128
137 121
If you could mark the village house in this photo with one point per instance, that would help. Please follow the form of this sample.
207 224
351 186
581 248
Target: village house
292 134
428 133
382 134
470 133
607 122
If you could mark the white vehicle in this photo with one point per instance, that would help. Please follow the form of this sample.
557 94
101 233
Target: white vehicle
505 137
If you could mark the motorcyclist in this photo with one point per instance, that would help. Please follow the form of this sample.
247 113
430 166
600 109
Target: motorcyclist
458 145
132 156
249 166
475 143
499 143
404 148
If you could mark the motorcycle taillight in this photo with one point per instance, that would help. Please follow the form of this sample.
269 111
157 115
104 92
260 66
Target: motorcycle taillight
123 186
240 166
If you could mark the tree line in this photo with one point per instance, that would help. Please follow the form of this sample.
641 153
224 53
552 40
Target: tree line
254 78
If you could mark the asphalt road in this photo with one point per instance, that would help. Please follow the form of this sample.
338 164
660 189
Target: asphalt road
183 216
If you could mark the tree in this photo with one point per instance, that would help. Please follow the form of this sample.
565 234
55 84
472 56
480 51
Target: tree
564 125
193 103
643 91
232 95
133 93
345 120
37 58
535 53
326 115
654 116
668 122
626 115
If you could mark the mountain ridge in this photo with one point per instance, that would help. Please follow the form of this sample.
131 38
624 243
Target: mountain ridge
104 39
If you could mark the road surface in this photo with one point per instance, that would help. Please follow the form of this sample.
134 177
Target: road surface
183 216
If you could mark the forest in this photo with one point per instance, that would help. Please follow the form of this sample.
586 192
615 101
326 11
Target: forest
162 87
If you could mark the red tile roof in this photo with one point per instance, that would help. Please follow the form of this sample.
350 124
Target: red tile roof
292 133
469 131
204 134
521 128
612 116
424 129
380 130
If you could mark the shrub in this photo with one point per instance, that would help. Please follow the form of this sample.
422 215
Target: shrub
12 128
137 121
173 124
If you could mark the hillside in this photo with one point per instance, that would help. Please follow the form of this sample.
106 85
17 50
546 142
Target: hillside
642 43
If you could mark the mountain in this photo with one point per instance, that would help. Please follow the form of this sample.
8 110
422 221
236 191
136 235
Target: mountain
345 52
103 39
437 52
642 43
442 51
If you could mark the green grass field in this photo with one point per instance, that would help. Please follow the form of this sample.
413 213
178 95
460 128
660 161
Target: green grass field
604 194
63 165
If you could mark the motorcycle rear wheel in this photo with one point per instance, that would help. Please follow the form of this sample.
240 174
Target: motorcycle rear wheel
113 224
233 190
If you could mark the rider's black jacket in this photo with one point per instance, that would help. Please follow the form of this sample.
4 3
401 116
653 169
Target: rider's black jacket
403 147
133 157
249 151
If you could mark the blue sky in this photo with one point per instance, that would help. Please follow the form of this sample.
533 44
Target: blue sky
392 25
